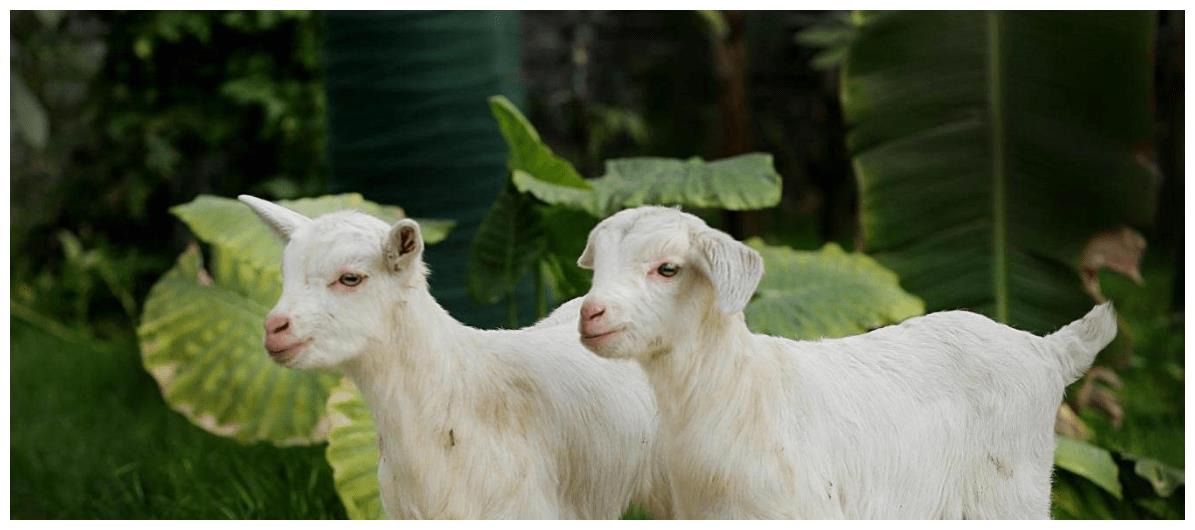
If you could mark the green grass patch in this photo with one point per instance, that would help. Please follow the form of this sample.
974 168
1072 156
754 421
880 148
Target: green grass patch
92 438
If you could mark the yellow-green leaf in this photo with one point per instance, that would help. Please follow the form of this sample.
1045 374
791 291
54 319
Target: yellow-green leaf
353 453
202 342
825 293
1088 461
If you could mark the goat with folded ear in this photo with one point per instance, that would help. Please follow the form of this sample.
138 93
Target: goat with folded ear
949 415
473 423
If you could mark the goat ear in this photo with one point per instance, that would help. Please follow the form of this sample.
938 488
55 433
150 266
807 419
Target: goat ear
734 268
283 221
586 259
404 245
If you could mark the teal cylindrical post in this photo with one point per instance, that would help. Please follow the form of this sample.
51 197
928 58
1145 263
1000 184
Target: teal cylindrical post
408 124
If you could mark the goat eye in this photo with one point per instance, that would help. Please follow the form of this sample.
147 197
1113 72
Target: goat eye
350 280
668 270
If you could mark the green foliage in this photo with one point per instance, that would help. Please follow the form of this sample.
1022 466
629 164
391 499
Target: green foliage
353 453
987 154
825 294
1146 442
832 36
535 225
201 329
528 154
201 340
508 244
975 138
118 115
1088 461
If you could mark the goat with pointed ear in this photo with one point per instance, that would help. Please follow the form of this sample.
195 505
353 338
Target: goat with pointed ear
283 221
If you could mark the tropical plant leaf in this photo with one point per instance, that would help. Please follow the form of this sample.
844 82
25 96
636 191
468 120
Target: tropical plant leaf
825 293
527 152
990 147
509 242
201 341
1088 461
744 182
565 231
353 453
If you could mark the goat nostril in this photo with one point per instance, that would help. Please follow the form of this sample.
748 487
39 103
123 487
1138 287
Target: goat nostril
277 325
594 313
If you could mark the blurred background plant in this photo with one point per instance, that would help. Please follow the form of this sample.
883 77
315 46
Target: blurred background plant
119 116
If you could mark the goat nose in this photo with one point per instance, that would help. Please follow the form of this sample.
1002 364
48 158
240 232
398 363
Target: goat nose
277 324
591 311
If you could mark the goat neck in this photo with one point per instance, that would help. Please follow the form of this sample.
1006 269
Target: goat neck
708 358
422 352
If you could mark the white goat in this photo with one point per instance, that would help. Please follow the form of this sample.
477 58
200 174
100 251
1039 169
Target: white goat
472 423
948 415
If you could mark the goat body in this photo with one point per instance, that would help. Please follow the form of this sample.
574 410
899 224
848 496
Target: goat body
505 424
948 415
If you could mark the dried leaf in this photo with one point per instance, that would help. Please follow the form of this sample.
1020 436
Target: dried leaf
1117 250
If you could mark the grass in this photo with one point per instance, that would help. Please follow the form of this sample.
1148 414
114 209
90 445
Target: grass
91 437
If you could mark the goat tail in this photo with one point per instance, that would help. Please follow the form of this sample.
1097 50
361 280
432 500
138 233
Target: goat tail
1076 344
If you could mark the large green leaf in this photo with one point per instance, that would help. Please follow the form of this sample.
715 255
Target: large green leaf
989 147
201 334
527 152
353 453
201 341
825 293
744 182
1088 461
509 242
565 230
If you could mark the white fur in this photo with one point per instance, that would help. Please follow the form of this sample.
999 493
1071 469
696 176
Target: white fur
949 415
473 423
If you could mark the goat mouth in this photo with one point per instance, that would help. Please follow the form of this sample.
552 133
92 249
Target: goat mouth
287 354
595 339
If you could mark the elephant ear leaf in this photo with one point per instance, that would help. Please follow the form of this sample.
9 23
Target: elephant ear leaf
201 339
744 182
825 293
353 453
